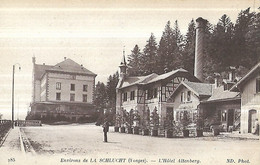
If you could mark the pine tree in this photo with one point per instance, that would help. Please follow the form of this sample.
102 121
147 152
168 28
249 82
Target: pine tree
111 90
189 48
222 44
100 99
253 38
166 49
241 55
150 56
178 47
134 62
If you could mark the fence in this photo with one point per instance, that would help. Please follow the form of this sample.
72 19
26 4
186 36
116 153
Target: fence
24 123
5 126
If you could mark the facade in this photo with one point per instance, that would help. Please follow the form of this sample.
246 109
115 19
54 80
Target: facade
249 87
63 91
148 93
187 98
222 108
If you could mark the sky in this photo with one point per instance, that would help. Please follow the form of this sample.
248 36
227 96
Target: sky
92 33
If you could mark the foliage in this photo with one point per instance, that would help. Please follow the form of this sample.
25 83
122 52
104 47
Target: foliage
154 119
186 120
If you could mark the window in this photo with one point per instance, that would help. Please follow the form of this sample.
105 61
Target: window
182 97
155 91
224 115
258 85
72 97
58 96
189 96
85 88
72 87
58 85
125 96
85 98
132 95
73 77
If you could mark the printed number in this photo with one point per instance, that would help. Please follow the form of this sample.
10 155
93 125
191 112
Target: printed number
11 160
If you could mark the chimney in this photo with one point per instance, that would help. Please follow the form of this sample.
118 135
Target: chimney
65 58
232 75
43 63
199 48
216 77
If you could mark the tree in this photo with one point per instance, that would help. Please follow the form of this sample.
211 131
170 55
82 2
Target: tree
253 37
222 44
150 56
241 49
166 49
111 90
134 62
189 48
100 99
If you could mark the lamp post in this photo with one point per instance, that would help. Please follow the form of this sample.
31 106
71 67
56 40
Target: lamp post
13 94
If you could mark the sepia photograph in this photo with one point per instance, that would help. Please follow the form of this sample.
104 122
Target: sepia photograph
158 82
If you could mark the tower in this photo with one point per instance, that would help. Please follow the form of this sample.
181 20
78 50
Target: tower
122 67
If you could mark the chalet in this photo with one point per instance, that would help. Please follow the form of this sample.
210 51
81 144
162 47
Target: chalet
148 93
249 87
62 92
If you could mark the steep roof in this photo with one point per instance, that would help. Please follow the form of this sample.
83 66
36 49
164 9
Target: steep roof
67 65
201 89
219 94
246 77
129 81
151 78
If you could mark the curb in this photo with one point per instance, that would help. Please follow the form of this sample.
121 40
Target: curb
3 140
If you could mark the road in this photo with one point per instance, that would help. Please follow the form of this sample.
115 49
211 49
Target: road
70 143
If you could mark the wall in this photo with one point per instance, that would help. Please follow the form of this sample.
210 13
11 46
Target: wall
66 80
250 100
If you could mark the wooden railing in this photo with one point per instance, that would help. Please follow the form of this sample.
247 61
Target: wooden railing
5 126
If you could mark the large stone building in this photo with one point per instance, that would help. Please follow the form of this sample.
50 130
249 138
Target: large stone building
62 92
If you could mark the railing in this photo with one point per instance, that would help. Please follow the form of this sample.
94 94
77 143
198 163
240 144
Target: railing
24 123
5 126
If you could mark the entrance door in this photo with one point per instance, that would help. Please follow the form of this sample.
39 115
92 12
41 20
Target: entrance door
251 120
230 120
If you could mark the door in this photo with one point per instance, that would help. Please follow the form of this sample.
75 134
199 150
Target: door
230 120
251 120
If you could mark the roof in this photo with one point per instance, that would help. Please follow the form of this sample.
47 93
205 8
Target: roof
219 94
67 65
71 66
200 89
39 70
129 81
246 77
151 78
